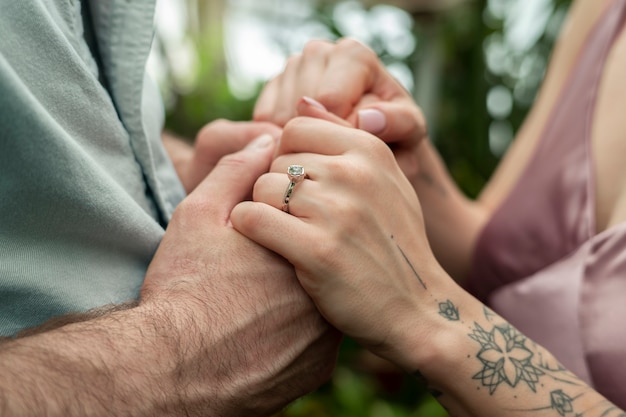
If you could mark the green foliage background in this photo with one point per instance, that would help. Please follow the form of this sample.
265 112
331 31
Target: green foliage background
360 386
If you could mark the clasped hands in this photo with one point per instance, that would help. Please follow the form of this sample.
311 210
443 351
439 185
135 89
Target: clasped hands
355 231
355 236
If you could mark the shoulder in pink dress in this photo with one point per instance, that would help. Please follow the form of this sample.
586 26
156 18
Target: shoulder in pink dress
538 261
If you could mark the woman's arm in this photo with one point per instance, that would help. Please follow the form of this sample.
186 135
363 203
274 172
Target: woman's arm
480 365
355 235
453 221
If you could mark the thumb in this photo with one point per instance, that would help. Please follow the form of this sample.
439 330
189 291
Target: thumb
233 178
392 121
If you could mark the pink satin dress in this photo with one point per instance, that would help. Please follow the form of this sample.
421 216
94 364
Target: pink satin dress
539 263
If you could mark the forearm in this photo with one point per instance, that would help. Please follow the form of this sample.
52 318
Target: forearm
452 220
116 364
480 365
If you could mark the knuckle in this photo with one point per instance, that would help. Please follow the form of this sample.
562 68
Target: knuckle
334 100
366 61
190 208
264 182
294 126
316 47
375 146
261 114
220 125
292 61
325 251
210 129
282 117
236 161
350 171
250 218
356 49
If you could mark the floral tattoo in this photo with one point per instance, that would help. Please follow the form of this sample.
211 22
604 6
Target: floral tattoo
505 358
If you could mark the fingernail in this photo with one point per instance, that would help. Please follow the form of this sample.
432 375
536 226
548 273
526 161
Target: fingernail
261 142
312 102
372 120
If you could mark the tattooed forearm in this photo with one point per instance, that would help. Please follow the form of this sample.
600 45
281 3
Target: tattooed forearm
521 377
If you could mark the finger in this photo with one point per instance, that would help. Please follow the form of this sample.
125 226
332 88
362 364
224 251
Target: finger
312 65
233 178
271 189
309 135
300 77
264 107
273 229
392 121
223 137
309 107
283 108
350 73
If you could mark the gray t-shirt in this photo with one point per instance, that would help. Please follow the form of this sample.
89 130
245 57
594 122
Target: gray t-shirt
86 187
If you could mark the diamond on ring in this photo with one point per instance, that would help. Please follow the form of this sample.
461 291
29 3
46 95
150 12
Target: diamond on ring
295 173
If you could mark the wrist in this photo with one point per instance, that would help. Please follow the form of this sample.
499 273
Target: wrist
421 336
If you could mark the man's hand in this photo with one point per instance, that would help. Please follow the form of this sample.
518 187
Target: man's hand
222 329
215 140
251 340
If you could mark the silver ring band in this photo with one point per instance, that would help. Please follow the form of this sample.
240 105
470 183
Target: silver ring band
296 174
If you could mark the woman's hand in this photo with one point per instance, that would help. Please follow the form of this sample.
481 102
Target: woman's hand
348 80
354 233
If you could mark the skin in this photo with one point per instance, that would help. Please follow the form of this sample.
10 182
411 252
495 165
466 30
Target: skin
377 280
361 241
453 221
222 328
214 141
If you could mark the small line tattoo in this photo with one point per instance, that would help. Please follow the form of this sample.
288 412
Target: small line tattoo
411 265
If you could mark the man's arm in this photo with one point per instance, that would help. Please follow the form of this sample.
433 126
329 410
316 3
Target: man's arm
222 328
123 363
